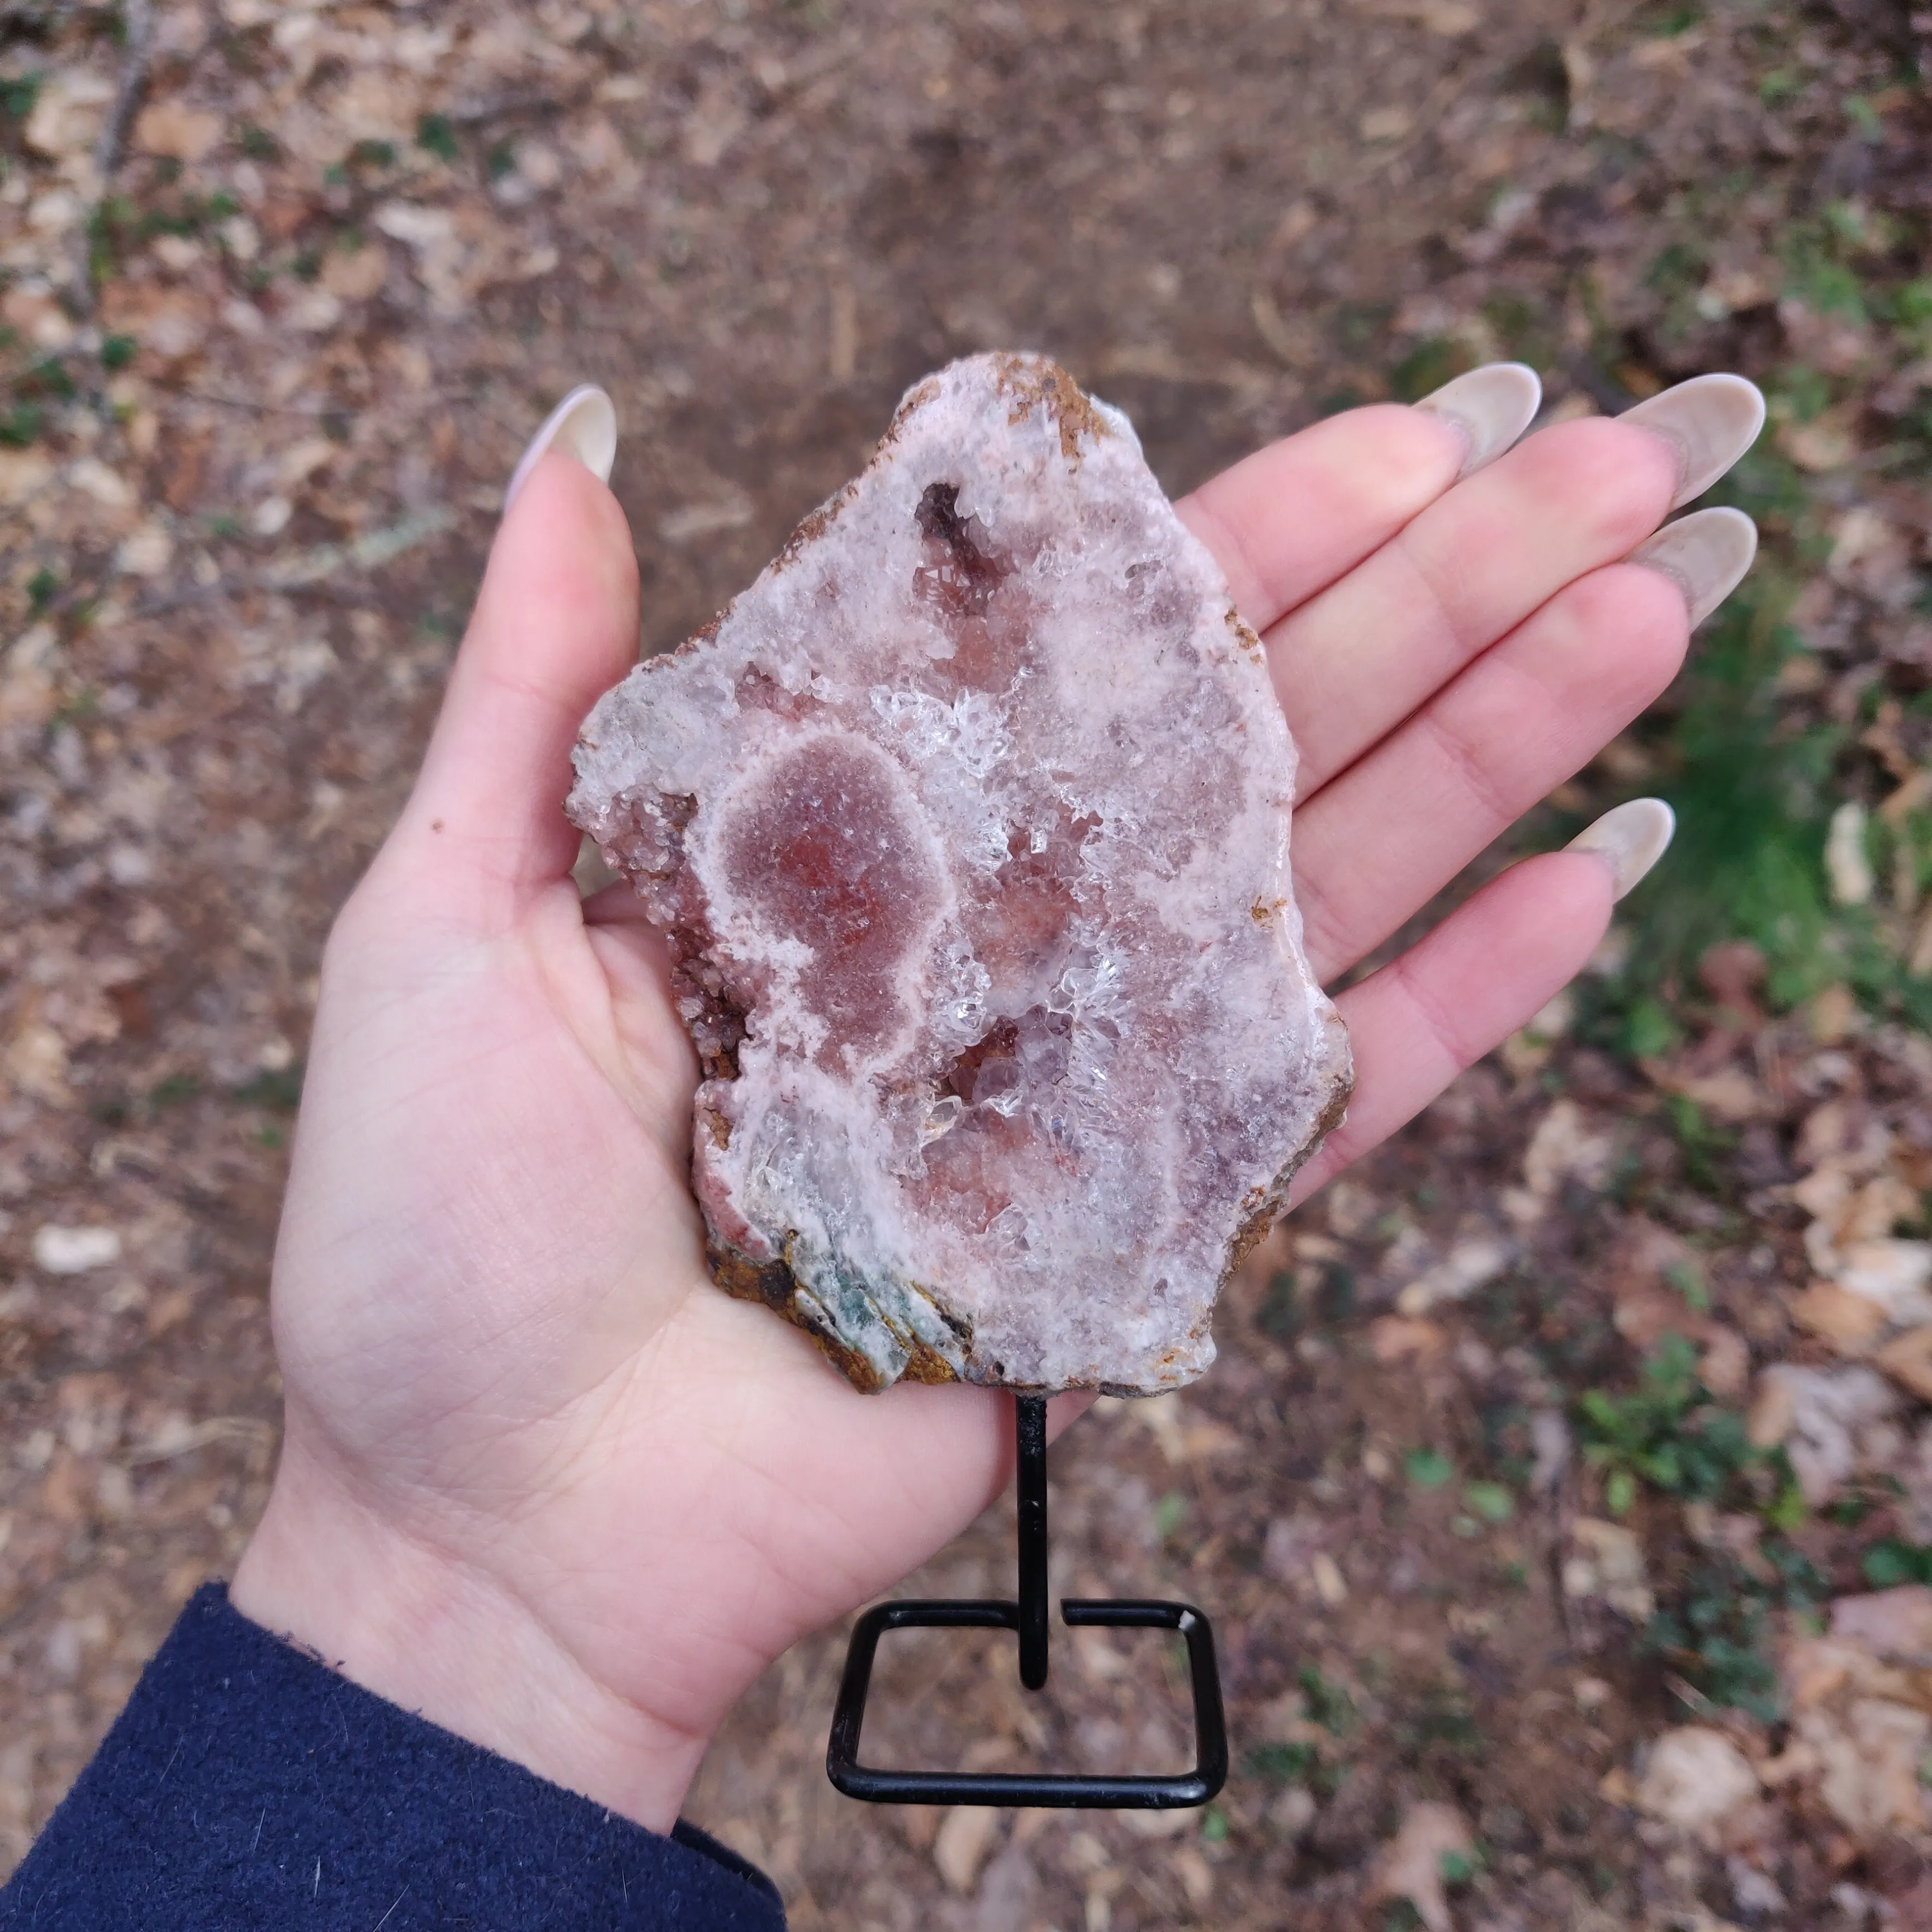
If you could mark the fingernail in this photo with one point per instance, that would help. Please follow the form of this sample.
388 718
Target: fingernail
584 425
1492 405
1705 554
1629 840
1710 421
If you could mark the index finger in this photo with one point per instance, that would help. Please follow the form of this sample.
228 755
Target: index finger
1291 519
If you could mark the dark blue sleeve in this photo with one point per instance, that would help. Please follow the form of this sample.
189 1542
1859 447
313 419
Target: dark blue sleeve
248 1785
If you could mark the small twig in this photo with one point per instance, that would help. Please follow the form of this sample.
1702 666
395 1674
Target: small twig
138 20
367 552
1687 1694
253 404
316 572
501 106
164 603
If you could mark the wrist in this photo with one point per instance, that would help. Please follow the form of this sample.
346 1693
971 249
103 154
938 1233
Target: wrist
445 1638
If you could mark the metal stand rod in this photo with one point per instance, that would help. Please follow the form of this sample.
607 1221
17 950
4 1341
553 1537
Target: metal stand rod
1029 1435
1027 1618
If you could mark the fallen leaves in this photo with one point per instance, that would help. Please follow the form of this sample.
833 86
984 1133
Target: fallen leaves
1827 442
1816 1415
67 114
1850 1322
1908 1361
1472 1263
1862 1706
1606 1562
1696 1780
1434 1839
966 1836
35 1063
173 130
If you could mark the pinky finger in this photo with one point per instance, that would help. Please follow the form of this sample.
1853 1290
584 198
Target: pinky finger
1488 968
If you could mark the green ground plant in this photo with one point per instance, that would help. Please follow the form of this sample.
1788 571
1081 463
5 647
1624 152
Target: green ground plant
1329 1703
1718 1630
1752 762
1669 1434
1893 1561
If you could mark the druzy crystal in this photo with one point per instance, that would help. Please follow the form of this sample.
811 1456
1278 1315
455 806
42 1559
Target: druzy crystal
968 825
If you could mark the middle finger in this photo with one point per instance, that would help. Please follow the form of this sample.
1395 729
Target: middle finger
1381 840
1351 663
1357 659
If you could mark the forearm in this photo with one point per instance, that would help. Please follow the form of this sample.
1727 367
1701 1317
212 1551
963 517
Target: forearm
443 1638
248 1784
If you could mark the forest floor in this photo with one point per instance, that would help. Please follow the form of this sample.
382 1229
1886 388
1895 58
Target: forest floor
1563 1493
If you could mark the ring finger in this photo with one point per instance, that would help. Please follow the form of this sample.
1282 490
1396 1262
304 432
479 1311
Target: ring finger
1352 662
1378 842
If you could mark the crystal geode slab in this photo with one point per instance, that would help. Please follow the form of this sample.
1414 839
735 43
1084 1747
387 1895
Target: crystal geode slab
968 826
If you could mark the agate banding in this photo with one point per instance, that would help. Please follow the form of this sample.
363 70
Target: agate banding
968 826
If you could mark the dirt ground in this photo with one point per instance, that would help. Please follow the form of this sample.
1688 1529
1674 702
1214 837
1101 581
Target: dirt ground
1515 1633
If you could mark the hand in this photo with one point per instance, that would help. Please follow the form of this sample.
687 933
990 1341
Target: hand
541 1481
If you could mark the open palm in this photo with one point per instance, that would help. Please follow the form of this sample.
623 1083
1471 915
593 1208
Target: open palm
543 1482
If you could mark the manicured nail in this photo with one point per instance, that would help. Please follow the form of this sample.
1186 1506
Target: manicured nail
1629 840
1705 554
584 425
1710 421
1492 405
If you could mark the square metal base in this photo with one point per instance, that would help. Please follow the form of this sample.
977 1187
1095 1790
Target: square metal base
954 1787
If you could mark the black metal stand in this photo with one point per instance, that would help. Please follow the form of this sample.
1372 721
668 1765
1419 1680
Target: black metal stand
1028 1618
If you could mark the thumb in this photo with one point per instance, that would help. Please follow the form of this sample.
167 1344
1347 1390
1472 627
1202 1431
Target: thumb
555 625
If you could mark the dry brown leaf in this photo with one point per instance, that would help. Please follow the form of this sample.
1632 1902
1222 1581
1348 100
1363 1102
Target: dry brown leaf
1402 1338
1908 1362
965 1837
354 275
1896 1276
1869 1759
176 132
1695 1780
68 111
1411 1863
1725 1365
1872 555
1828 441
1850 1322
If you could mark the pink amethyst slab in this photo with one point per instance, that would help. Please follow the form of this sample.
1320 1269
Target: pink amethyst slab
968 825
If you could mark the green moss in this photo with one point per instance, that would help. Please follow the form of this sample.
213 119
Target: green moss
1329 1704
1284 1764
18 93
1888 1564
437 135
1669 1433
21 425
279 1090
1491 1502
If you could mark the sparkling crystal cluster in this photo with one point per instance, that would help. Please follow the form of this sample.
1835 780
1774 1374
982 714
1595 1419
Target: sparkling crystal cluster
968 825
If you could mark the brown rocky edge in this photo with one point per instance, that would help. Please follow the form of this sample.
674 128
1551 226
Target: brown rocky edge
772 1284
